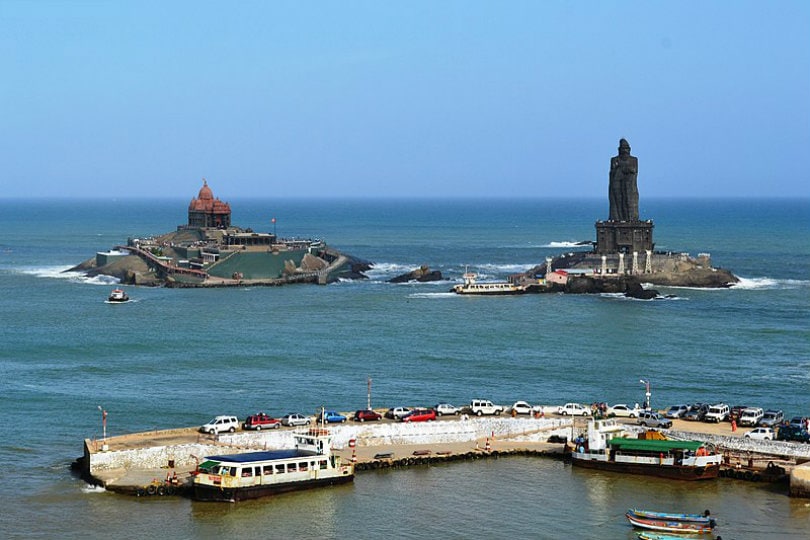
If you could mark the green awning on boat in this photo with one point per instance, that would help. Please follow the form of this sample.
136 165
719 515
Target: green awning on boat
654 445
207 465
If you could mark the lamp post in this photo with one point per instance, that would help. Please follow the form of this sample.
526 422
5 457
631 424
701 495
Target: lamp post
368 405
647 404
103 428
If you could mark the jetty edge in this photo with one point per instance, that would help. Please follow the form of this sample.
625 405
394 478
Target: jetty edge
142 463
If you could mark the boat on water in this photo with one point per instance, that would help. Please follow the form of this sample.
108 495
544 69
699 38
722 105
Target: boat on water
644 535
705 517
472 286
251 475
118 296
608 447
663 525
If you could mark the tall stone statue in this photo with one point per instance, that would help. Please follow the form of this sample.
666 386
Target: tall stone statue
623 190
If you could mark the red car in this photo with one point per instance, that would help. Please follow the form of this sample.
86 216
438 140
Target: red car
420 415
261 421
366 415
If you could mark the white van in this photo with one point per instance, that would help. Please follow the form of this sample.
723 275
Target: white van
717 413
751 416
481 407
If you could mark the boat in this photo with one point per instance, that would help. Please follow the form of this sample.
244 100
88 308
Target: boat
670 526
608 447
232 478
118 296
472 286
705 517
644 535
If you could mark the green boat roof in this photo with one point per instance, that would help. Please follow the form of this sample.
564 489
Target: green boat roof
654 445
205 465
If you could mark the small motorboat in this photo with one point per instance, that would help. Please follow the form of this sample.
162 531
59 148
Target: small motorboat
667 525
118 296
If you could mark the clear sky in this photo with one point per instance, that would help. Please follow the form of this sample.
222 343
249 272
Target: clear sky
403 99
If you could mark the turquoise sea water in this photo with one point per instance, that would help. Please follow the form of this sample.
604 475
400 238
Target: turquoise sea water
178 357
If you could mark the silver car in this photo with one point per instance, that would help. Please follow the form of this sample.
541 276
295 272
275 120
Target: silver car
653 419
295 419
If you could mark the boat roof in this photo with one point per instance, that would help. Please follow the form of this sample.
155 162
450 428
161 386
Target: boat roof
653 445
258 456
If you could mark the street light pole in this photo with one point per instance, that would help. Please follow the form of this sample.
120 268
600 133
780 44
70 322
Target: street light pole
647 404
368 405
103 423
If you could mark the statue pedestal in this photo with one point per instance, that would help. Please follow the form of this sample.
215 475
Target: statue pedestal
624 236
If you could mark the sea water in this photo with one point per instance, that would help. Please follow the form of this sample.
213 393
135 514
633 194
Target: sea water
177 357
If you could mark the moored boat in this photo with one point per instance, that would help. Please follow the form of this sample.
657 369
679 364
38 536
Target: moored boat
472 286
118 296
251 475
670 526
608 448
655 536
705 517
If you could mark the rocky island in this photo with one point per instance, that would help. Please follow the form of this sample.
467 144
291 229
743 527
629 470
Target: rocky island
623 255
209 251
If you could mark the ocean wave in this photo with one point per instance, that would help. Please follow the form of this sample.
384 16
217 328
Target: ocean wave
766 283
432 295
566 244
61 272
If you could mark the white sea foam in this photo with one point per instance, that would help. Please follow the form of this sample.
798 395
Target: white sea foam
766 283
433 295
60 272
564 244
93 489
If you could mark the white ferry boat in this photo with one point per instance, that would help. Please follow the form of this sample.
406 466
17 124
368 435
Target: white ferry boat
118 296
471 286
251 475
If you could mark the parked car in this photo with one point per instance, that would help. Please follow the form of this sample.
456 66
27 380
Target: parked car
522 407
366 415
331 417
626 411
219 424
653 419
799 421
790 432
760 434
696 412
261 421
396 413
717 413
420 415
480 407
750 416
295 419
573 409
772 418
443 409
735 412
676 411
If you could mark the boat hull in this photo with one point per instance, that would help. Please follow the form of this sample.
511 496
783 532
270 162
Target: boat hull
669 526
674 472
210 493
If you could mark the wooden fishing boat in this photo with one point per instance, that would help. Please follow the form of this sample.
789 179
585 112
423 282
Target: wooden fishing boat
663 525
655 536
705 517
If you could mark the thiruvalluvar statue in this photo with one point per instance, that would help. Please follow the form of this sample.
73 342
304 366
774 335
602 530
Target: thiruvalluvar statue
623 190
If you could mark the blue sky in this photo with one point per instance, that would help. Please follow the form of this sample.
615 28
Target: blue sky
408 99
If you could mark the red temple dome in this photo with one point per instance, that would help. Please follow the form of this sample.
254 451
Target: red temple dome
206 211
